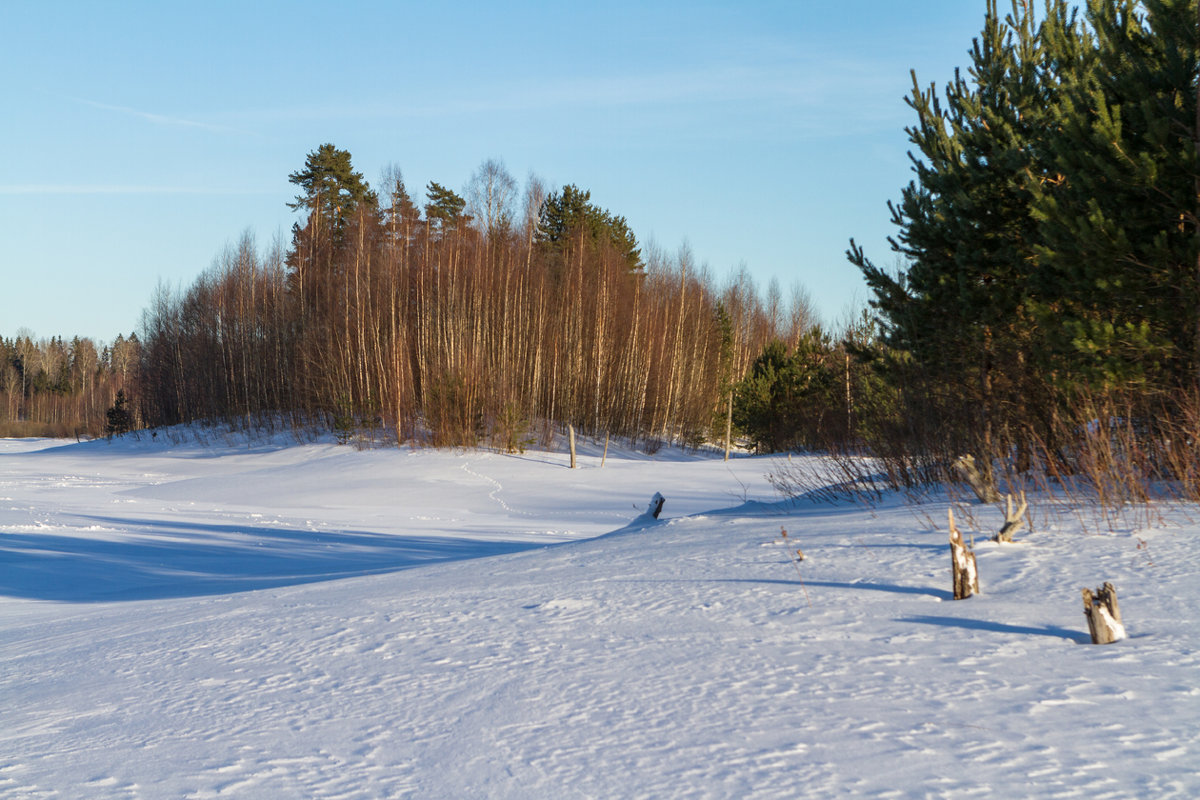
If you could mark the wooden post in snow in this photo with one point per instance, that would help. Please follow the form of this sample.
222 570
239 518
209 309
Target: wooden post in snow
604 457
571 436
1103 615
962 564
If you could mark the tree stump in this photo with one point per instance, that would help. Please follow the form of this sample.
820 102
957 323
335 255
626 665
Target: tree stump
962 564
1103 615
571 436
656 504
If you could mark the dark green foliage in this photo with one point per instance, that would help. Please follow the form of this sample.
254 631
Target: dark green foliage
445 207
788 399
1050 237
343 422
330 188
120 420
960 311
569 217
1117 281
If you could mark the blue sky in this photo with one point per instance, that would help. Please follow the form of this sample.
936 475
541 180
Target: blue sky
145 137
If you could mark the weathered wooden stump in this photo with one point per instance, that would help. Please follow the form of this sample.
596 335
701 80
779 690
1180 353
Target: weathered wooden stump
1103 615
1012 520
962 564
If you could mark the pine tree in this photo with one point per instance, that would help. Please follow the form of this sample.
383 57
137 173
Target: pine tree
445 208
960 310
569 217
331 190
1117 283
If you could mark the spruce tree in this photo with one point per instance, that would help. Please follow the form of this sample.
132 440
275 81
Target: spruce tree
119 419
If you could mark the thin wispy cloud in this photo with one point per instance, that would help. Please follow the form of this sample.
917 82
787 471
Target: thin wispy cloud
158 119
103 188
785 84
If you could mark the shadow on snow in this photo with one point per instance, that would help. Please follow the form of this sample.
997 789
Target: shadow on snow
161 559
1000 627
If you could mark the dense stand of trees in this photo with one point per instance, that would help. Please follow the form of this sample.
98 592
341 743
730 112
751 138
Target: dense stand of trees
54 387
475 319
1050 237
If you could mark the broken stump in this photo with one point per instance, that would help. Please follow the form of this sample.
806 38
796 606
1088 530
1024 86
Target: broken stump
1103 615
656 504
962 564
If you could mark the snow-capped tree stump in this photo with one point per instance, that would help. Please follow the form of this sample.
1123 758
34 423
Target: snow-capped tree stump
1103 615
981 486
1012 520
962 564
656 505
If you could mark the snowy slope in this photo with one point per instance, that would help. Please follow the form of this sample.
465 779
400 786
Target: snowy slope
276 621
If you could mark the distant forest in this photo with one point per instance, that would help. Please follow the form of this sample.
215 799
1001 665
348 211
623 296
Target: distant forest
1044 313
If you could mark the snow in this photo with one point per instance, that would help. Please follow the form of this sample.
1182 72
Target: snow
267 619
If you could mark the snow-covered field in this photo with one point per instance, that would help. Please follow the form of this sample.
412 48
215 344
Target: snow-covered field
274 620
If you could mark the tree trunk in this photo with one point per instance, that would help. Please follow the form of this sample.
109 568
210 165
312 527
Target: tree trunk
729 425
962 562
571 436
1103 615
1196 276
980 484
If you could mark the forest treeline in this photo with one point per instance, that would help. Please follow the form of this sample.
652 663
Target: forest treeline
493 317
54 387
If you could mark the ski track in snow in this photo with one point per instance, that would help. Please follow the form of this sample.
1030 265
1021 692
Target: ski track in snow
310 621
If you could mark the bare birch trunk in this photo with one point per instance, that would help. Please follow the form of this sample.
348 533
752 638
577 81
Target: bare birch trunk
729 425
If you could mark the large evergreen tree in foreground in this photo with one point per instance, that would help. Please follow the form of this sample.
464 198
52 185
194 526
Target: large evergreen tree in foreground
1050 235
1117 226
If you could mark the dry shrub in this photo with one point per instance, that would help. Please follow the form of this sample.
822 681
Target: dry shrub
1110 460
29 429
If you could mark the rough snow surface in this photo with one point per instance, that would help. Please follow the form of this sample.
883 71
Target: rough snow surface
272 620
